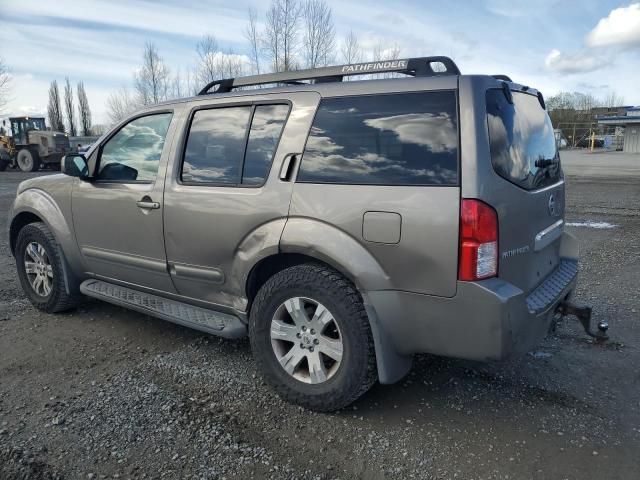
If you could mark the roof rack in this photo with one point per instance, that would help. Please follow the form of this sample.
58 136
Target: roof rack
415 67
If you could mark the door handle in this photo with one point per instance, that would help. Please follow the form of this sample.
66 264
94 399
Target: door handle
287 166
148 204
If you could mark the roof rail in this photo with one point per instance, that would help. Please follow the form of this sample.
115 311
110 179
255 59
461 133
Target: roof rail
415 67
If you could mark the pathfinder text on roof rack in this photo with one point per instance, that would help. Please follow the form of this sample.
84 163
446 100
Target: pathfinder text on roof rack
366 67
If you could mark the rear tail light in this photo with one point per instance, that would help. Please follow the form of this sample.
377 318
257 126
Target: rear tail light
478 241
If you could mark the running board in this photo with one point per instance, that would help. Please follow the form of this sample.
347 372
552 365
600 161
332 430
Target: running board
210 321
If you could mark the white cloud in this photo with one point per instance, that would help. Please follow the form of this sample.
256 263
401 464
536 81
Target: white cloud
580 62
620 28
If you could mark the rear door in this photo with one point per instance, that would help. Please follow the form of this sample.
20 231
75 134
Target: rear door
383 168
224 199
522 179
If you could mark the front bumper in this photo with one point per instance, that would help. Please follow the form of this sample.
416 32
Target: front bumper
487 320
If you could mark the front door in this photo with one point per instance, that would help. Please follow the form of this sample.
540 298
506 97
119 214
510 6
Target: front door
225 198
118 216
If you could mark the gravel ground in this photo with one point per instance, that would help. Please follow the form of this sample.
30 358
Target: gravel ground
102 392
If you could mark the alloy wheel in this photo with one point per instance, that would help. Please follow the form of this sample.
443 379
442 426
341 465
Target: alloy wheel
38 268
306 340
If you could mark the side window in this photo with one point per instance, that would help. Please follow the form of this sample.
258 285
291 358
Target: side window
266 127
395 139
215 146
215 152
133 154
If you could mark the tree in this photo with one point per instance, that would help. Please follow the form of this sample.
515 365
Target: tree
319 34
253 36
54 110
207 70
351 51
69 107
120 104
152 81
84 112
613 100
5 80
281 34
382 52
215 64
177 86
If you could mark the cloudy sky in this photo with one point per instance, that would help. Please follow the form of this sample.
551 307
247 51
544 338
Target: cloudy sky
591 46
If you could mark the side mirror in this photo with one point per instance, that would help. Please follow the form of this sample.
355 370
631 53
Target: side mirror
75 165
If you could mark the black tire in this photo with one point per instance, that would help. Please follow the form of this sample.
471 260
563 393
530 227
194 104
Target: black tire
27 160
58 300
3 165
357 370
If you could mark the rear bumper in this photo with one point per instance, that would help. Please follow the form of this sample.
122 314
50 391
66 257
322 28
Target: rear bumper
488 320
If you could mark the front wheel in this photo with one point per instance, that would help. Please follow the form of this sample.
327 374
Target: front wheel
40 270
311 337
27 160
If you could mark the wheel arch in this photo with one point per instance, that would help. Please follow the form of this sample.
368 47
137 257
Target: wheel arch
300 244
35 205
18 222
272 264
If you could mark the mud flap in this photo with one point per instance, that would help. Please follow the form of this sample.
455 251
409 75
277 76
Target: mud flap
391 366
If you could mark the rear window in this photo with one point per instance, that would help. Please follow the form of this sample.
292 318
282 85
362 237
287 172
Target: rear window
523 147
397 139
233 145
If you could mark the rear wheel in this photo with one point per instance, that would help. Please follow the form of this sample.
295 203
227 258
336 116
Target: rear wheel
40 270
311 337
27 160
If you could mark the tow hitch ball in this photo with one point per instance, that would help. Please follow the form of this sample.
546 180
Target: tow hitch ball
583 314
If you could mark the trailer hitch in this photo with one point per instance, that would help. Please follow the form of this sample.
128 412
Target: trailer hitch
583 314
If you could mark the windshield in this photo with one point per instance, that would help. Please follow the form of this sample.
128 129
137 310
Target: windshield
523 147
23 125
34 124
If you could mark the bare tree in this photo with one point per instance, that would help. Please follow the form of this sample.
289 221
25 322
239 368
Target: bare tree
207 71
177 88
5 79
383 52
120 104
253 36
84 112
54 110
191 84
319 33
69 107
613 100
152 81
351 50
281 34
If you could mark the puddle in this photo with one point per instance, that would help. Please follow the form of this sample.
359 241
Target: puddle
590 224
